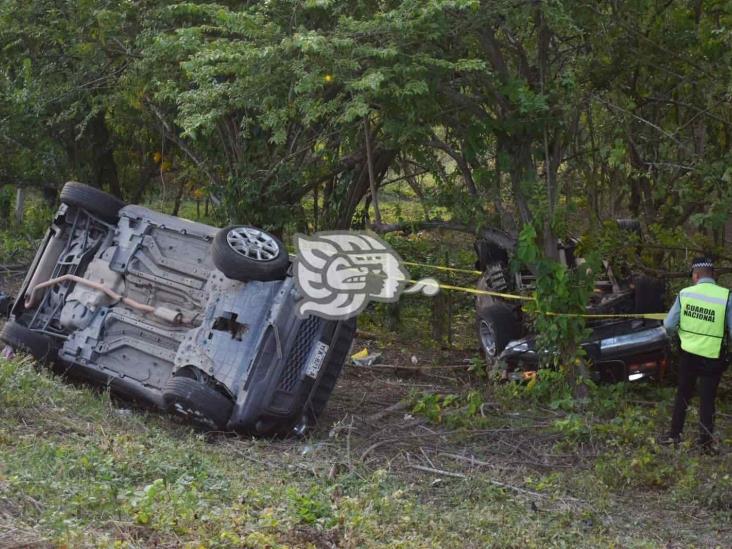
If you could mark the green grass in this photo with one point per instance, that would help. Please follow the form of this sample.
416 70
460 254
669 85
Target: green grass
19 243
78 470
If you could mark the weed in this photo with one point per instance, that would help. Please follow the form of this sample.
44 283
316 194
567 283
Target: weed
642 467
707 485
548 386
311 507
452 410
84 474
478 367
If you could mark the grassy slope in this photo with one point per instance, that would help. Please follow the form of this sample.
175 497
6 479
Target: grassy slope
77 469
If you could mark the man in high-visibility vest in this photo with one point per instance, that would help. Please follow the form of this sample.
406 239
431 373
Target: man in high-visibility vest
702 314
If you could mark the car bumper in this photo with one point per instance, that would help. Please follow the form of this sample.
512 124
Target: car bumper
631 352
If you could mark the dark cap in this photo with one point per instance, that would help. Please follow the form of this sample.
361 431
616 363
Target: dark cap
702 263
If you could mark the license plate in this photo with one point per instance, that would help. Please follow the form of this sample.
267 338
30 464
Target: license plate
316 359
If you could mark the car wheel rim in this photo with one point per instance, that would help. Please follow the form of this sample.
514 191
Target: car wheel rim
253 244
488 338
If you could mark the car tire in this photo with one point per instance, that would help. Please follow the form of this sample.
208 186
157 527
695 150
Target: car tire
496 327
649 294
247 253
331 372
198 402
39 346
96 202
487 253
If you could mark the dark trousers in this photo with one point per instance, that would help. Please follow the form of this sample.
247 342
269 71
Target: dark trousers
708 372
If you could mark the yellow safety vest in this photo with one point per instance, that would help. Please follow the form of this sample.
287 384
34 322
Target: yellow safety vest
703 319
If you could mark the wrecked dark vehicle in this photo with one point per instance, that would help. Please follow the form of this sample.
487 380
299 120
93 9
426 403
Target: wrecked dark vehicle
618 349
177 315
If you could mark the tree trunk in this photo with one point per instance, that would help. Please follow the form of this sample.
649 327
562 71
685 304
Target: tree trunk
19 205
357 181
521 170
506 222
103 164
577 374
178 199
393 316
438 304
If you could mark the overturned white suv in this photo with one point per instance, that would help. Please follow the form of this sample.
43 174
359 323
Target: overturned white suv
188 318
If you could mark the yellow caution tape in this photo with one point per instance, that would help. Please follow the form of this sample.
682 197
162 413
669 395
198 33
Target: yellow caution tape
441 268
649 316
476 291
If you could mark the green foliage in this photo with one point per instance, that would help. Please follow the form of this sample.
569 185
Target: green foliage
643 466
312 507
560 295
559 111
452 410
265 102
547 387
477 366
710 489
76 470
19 243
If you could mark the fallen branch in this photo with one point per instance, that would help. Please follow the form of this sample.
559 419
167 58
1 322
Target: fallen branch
398 407
466 433
517 489
494 482
437 471
16 267
417 368
473 461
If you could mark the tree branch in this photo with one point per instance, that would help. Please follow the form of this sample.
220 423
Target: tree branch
370 164
496 236
459 160
173 136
